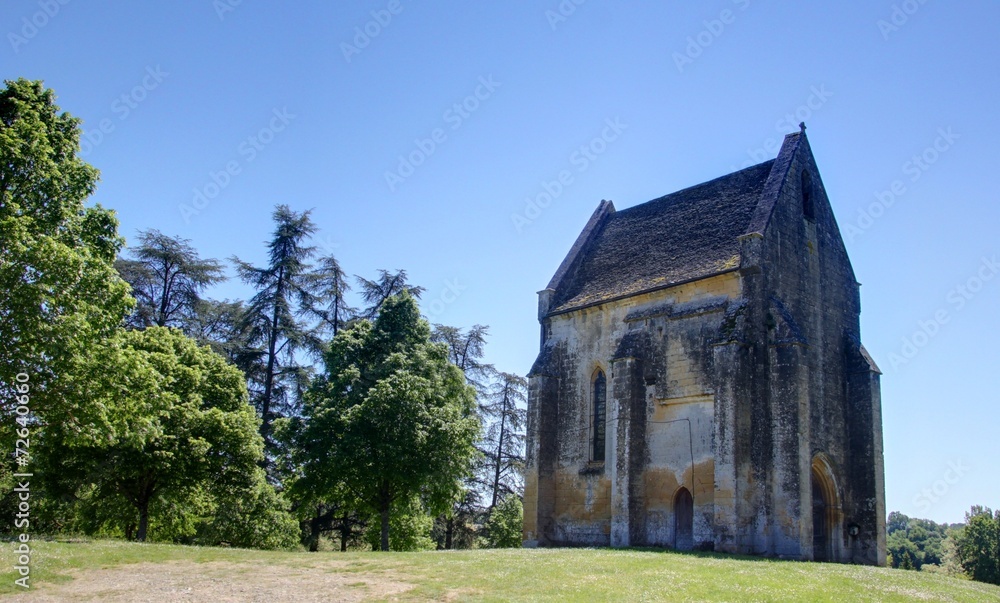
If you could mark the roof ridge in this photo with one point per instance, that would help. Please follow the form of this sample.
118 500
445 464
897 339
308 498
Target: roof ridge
699 185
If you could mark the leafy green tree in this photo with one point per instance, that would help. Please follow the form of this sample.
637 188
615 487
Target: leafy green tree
951 564
503 528
59 291
273 317
253 516
167 278
919 542
908 561
896 522
321 510
903 550
409 528
160 424
978 545
391 418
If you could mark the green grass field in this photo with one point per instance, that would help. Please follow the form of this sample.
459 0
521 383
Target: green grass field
118 571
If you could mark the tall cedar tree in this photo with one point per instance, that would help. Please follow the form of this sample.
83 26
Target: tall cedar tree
391 418
388 284
466 351
326 301
504 442
217 324
167 279
273 317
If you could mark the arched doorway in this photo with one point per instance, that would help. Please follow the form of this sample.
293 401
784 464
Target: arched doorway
821 539
683 520
825 510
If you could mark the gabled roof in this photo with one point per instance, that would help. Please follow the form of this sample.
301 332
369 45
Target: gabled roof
684 236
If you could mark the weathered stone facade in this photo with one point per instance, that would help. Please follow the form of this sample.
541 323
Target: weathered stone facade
701 381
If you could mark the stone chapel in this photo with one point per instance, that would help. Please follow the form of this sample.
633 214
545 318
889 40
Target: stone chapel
701 382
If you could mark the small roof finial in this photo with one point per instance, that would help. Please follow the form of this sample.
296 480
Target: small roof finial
802 126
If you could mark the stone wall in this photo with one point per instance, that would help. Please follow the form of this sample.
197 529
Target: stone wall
655 350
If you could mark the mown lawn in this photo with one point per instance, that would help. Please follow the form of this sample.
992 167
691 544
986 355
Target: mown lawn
118 571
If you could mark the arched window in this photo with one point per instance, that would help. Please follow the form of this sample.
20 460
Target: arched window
600 415
808 209
683 520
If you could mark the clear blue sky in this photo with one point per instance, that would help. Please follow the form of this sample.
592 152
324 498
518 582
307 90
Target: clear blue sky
698 89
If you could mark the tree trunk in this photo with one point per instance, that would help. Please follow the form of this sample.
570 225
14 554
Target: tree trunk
345 532
161 317
140 535
272 344
336 315
385 502
499 457
449 532
385 527
314 534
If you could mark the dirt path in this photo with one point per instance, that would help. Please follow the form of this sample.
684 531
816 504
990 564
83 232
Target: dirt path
218 582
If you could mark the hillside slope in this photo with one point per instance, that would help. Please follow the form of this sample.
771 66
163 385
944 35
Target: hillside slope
116 572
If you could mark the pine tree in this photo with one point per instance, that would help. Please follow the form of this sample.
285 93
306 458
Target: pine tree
504 442
377 292
273 318
167 278
327 298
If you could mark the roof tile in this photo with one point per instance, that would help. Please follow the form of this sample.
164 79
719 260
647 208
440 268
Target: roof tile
683 236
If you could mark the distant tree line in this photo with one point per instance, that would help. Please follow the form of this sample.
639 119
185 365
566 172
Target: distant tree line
970 550
292 418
